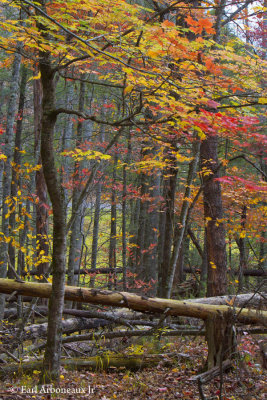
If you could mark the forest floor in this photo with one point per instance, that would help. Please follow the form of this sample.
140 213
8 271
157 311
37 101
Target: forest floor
246 381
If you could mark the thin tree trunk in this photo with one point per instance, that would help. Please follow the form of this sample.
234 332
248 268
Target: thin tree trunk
169 192
17 162
161 238
124 216
42 246
204 267
179 234
150 258
141 227
75 236
11 113
96 230
113 228
242 250
51 363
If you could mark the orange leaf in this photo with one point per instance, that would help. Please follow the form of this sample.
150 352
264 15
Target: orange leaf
207 24
167 23
191 21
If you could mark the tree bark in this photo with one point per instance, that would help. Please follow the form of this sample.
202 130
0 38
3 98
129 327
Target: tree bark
213 215
216 249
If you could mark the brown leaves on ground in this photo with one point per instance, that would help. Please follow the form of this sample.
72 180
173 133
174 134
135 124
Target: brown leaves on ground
245 381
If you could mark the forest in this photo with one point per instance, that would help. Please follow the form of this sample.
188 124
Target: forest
133 199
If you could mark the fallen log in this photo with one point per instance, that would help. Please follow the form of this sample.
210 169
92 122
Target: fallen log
68 326
43 311
118 318
183 331
75 324
82 271
134 302
246 272
131 362
207 376
258 300
14 299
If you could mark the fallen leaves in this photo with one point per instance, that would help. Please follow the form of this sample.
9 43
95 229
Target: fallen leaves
246 381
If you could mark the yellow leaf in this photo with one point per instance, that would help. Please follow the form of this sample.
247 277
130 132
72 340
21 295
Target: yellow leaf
128 89
152 53
231 302
38 76
213 266
201 134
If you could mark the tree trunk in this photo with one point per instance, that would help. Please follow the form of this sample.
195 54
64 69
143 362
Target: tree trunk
6 186
161 238
183 219
42 247
213 215
216 249
95 230
152 227
52 355
242 250
221 338
75 236
123 211
17 162
112 260
141 228
218 346
169 191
